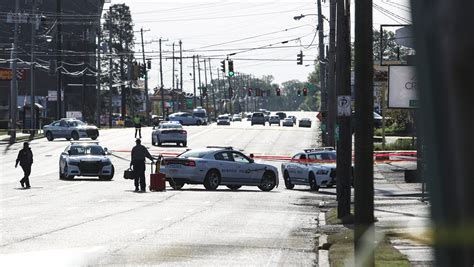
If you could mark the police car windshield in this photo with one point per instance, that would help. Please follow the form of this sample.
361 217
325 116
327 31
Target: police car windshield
86 150
171 125
194 154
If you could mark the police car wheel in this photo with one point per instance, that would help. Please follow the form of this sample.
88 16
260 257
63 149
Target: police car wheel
67 177
49 136
268 181
288 183
212 180
312 182
94 137
75 135
176 185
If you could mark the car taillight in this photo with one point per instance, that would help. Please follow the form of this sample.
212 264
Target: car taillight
190 163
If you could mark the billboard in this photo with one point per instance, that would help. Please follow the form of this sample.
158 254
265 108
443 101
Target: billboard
402 87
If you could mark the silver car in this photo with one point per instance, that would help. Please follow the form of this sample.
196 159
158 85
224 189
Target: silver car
85 159
169 132
304 122
185 118
287 122
214 166
223 120
274 119
70 128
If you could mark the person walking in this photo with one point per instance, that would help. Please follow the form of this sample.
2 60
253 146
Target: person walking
25 158
138 126
139 153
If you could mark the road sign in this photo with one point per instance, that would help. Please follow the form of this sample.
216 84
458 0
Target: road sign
344 106
402 87
6 74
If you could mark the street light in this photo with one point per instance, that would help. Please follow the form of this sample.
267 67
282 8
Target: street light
304 15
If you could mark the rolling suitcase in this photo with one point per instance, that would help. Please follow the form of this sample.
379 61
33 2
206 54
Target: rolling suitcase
157 179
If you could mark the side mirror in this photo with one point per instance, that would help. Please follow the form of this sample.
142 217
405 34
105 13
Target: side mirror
69 152
252 161
106 151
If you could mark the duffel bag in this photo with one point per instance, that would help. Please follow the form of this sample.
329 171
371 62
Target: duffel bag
128 174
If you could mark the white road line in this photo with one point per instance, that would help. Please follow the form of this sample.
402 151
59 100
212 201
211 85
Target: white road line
9 198
71 185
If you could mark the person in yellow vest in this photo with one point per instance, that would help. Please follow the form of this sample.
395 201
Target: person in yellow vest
138 126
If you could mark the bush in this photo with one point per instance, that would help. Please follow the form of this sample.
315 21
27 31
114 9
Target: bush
399 144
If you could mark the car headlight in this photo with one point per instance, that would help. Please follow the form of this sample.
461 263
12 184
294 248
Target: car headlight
322 172
73 163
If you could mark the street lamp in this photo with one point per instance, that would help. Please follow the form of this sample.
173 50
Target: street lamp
304 15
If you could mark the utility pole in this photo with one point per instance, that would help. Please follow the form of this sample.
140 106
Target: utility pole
364 132
147 101
32 70
205 81
199 80
213 91
331 83
194 81
14 83
181 65
343 83
172 82
322 69
99 74
110 70
161 84
59 64
219 87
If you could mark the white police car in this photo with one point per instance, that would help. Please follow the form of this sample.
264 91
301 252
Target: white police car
85 159
214 166
314 167
169 132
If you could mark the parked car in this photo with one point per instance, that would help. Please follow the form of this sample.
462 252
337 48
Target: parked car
304 122
281 115
85 159
70 129
236 117
292 118
185 118
315 167
214 166
223 120
169 132
274 119
258 118
287 122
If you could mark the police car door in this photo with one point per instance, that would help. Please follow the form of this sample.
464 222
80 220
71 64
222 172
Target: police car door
225 164
247 172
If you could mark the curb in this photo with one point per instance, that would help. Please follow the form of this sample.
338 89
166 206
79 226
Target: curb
323 254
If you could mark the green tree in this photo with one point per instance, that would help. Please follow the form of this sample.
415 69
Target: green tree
390 49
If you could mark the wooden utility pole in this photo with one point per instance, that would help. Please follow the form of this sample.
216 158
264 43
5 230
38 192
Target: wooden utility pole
181 65
161 84
172 82
331 83
99 73
343 83
199 81
205 86
147 102
213 91
194 82
364 132
14 82
111 79
34 25
59 64
322 70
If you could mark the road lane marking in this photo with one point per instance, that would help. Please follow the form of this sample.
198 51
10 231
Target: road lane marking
71 185
9 198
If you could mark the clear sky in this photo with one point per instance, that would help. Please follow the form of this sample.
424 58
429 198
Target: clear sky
214 29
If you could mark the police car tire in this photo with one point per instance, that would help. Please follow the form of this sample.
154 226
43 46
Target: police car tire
61 176
108 177
312 182
176 185
268 181
288 183
233 187
212 180
67 177
94 137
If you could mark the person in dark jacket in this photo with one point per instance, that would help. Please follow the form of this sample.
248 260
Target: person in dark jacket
139 153
25 158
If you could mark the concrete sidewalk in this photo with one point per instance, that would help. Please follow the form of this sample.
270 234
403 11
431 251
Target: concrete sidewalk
20 137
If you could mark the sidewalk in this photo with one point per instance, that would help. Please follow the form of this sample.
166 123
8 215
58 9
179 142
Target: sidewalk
20 137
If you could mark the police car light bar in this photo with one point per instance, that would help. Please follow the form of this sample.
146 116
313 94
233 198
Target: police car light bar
84 142
222 147
327 148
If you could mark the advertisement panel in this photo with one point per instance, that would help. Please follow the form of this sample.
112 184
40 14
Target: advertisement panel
402 87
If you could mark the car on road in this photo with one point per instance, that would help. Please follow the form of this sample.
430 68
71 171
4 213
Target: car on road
215 166
249 116
281 115
70 129
315 167
201 113
274 119
304 122
85 159
169 132
292 118
287 122
258 118
223 120
185 118
237 117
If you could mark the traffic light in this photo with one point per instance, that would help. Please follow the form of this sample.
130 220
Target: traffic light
143 71
299 58
223 66
249 91
305 91
299 92
148 64
278 92
204 91
231 68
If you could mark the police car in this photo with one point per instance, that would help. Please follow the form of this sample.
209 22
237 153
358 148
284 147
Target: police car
169 132
85 159
315 167
214 166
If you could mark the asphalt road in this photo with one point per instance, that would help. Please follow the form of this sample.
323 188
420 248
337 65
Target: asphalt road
91 222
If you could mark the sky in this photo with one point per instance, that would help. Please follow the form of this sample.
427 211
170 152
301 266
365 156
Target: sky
262 33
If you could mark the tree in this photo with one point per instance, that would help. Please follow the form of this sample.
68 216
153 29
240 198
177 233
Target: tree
119 25
390 49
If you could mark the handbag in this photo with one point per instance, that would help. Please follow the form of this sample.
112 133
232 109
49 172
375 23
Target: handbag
128 174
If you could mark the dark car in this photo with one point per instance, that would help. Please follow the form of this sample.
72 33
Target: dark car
282 115
258 118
